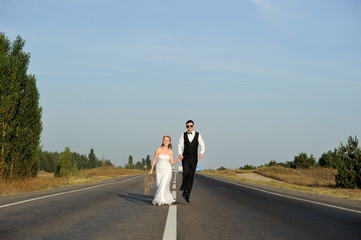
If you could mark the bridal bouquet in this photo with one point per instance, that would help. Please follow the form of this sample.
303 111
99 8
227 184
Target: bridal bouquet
148 183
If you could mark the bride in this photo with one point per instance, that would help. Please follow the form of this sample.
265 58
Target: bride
164 158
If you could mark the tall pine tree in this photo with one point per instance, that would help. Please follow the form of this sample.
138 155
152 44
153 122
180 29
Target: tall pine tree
92 159
20 113
148 163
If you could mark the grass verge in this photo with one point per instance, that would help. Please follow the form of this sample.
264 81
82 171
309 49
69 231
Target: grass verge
47 181
314 180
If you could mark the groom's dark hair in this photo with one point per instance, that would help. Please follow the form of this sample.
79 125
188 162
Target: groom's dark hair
189 121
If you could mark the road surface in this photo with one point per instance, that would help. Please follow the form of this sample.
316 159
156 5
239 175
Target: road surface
218 210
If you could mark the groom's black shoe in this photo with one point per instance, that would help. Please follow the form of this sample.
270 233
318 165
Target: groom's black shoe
185 195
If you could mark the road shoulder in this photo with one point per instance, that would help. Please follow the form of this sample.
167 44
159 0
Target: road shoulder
339 202
28 195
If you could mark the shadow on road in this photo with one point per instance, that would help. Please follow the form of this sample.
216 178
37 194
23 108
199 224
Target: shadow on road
132 197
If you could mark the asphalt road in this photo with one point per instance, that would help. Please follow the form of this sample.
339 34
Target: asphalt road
218 210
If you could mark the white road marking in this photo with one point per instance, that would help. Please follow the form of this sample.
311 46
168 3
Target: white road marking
286 196
170 229
63 193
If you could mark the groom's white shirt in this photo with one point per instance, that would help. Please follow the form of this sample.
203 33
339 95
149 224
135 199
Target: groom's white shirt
190 138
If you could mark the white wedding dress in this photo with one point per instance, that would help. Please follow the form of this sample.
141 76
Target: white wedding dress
163 178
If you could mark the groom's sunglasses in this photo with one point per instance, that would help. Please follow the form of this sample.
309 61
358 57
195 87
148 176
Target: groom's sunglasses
188 126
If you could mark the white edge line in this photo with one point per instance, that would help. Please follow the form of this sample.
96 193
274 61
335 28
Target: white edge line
286 196
63 193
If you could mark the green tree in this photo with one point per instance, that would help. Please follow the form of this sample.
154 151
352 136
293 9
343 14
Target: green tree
288 164
303 161
108 163
143 164
148 163
92 159
81 161
349 167
247 167
63 166
20 113
130 164
75 170
138 165
48 161
329 159
272 163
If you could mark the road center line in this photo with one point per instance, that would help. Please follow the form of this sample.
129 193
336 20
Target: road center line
286 196
63 193
170 229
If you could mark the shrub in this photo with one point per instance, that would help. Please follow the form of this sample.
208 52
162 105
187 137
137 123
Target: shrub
247 167
349 167
63 167
329 159
303 161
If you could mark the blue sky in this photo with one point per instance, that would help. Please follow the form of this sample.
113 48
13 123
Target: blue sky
263 80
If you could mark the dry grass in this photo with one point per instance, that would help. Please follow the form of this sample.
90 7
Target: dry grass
315 177
233 174
46 181
314 180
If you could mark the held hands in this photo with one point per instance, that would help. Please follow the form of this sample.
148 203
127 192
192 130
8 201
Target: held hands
180 158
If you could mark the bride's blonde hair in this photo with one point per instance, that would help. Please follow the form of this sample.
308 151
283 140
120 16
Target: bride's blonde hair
170 140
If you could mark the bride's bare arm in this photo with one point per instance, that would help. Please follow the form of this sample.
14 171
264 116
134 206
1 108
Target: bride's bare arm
154 160
171 159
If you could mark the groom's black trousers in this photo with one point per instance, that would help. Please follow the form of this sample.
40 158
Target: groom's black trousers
189 168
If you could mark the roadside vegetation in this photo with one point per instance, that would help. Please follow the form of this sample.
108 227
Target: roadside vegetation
47 181
313 180
311 177
336 173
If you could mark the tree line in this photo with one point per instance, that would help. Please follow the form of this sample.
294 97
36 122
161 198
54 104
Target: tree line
144 164
346 159
56 162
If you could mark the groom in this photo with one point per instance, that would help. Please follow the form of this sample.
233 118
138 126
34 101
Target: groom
188 149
